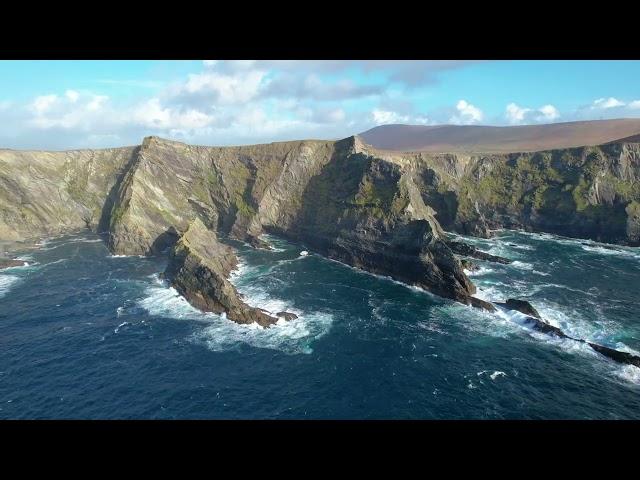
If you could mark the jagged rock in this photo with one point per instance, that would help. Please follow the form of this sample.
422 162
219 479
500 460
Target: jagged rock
286 315
8 263
477 303
199 266
540 325
467 250
618 356
544 327
521 306
469 265
257 242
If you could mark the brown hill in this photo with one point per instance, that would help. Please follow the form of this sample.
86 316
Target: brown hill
488 139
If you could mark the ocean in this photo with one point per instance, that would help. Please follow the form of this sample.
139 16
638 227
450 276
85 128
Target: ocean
85 334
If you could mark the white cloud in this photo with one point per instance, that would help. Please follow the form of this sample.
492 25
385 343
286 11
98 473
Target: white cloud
219 88
467 114
548 113
381 117
209 63
610 102
43 103
72 110
516 114
634 105
72 95
422 120
153 115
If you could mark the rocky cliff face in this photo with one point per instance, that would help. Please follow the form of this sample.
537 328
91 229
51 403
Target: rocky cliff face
199 267
586 192
334 196
379 211
47 193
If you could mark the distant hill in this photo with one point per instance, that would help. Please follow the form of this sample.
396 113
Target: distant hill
487 139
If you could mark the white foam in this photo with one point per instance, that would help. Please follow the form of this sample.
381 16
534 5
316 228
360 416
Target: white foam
304 253
117 329
610 251
6 283
521 265
220 334
479 272
494 375
628 373
537 272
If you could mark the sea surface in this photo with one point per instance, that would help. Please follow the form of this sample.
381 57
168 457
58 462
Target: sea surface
85 334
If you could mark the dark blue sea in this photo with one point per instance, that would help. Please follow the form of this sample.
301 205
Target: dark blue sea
84 334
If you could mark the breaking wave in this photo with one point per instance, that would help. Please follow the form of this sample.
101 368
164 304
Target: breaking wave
220 334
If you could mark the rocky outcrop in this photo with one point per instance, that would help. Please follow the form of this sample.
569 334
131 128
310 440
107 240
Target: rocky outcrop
521 306
534 321
199 267
466 250
9 262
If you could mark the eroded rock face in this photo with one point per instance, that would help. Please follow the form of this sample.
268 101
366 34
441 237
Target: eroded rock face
585 192
368 213
199 267
50 193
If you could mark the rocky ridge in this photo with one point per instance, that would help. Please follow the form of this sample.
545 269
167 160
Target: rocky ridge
199 267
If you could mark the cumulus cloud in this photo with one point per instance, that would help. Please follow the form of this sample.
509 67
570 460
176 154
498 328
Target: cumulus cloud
548 113
516 115
153 115
467 114
381 117
246 101
610 102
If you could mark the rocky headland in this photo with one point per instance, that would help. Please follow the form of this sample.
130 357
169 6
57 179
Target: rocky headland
382 211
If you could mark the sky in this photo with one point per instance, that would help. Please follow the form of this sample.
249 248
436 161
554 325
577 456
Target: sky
58 105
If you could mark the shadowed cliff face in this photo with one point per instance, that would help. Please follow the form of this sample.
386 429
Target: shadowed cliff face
368 213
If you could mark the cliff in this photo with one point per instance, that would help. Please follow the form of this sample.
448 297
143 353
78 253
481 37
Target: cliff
586 192
381 211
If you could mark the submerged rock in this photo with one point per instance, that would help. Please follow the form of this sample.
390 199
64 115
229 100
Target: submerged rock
286 315
199 267
9 262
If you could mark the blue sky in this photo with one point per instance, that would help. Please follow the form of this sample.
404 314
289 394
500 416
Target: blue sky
94 104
